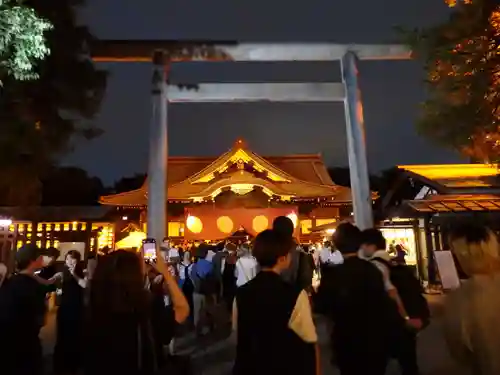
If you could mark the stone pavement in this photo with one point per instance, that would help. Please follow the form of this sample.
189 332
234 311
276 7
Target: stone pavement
215 358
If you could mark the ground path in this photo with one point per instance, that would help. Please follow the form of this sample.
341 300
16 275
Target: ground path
215 358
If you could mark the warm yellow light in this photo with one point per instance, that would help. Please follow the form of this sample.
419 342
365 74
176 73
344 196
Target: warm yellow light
330 231
260 223
225 224
294 218
244 156
194 224
134 239
448 171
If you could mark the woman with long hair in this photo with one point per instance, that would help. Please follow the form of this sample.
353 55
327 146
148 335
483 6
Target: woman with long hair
67 357
472 311
121 332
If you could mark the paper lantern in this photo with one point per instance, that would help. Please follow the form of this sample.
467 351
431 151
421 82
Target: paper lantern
194 224
260 223
225 224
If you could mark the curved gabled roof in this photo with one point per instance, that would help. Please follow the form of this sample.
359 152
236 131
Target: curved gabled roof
293 176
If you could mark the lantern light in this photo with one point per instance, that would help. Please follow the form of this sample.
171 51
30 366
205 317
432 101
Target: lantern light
293 216
194 224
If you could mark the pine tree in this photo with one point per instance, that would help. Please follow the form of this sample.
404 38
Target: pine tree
462 64
22 40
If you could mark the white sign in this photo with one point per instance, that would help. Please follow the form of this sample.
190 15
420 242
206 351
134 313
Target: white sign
447 269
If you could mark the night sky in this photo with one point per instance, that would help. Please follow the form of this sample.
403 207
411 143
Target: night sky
391 90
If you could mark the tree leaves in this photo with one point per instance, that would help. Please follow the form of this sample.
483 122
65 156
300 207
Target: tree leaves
462 63
40 119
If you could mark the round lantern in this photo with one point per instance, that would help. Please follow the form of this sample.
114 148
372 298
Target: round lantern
225 224
194 224
260 223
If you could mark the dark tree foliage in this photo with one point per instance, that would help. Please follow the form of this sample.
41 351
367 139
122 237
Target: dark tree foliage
462 66
70 186
129 183
40 119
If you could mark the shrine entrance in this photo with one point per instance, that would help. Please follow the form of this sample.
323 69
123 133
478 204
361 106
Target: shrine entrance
165 93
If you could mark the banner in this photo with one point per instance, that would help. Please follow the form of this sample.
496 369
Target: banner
210 223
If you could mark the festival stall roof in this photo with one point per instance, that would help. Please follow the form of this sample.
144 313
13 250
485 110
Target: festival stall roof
453 178
455 188
199 178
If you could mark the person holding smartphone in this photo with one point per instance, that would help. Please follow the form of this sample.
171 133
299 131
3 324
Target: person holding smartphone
123 328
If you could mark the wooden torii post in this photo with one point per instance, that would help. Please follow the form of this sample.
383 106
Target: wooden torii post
162 94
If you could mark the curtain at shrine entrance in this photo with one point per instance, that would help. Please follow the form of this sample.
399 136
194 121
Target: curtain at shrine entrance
210 223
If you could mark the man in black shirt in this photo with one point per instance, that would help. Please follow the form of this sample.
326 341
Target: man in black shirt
22 312
364 317
272 319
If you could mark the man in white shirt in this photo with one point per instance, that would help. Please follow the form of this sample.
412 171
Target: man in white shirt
327 256
210 255
246 267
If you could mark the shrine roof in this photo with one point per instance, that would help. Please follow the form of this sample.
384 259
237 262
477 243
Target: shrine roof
301 176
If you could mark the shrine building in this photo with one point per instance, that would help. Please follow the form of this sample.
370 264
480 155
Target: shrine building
210 198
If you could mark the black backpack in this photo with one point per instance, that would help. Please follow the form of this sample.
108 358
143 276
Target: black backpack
209 284
409 289
305 270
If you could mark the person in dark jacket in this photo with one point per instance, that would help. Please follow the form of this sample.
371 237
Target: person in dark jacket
67 357
352 295
273 319
409 295
22 315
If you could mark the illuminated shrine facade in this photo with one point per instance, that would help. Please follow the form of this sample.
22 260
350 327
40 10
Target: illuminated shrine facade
213 197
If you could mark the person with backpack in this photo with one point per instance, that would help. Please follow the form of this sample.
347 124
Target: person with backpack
185 282
272 320
405 289
205 287
301 270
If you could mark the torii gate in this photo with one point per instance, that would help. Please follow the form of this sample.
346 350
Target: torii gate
163 94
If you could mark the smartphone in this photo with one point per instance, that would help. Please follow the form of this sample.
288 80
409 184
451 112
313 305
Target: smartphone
149 246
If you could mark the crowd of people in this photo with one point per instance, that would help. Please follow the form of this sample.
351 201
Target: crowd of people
121 312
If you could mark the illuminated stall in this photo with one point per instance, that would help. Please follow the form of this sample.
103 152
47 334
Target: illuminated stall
241 181
87 228
445 193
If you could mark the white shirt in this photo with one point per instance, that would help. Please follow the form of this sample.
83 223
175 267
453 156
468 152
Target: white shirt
324 254
336 257
386 273
246 270
182 270
210 255
301 320
327 256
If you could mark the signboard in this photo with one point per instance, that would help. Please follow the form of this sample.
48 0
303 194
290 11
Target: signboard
447 269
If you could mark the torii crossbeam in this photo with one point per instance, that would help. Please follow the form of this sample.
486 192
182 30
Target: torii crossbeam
347 91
